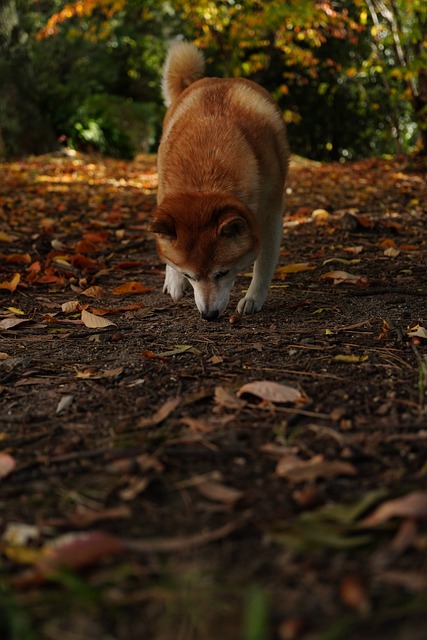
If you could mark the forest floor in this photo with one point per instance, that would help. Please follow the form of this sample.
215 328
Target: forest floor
145 490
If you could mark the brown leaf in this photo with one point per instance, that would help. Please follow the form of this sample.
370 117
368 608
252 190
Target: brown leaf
403 539
272 392
353 593
70 306
412 505
94 292
297 470
95 322
227 398
106 311
9 323
161 414
343 276
71 551
11 284
7 464
131 288
218 492
295 268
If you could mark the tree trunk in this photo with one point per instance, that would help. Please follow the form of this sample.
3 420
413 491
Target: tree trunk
23 128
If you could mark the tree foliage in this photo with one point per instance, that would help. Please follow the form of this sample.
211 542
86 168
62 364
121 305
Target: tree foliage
350 76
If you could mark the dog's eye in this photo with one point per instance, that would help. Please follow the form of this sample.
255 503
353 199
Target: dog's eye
187 276
221 274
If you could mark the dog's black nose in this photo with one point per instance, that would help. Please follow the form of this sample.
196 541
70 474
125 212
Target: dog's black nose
212 315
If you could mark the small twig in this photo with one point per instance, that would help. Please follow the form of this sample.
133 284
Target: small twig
387 290
184 543
311 374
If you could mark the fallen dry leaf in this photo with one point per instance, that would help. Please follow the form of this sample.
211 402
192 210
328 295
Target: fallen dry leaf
71 551
9 323
180 348
65 403
7 464
387 243
272 392
354 250
131 288
135 487
161 414
94 292
295 268
343 276
71 306
365 222
417 332
11 284
353 593
227 398
219 492
320 214
403 539
297 470
129 307
350 359
5 237
16 311
392 252
95 322
412 505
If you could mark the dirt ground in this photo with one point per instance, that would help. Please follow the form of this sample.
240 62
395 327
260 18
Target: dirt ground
144 491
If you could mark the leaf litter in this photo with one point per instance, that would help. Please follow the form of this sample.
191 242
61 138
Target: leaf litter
167 463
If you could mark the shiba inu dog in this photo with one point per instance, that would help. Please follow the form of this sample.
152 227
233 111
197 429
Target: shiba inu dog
222 165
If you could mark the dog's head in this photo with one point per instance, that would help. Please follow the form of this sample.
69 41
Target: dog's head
209 238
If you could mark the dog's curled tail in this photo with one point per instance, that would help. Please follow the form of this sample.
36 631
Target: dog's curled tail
184 65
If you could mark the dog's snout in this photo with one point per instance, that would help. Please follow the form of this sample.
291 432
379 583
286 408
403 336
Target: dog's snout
211 315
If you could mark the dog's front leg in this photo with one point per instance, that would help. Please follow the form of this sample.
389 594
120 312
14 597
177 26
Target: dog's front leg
175 283
264 267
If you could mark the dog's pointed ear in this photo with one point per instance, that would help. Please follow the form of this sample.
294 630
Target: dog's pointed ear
232 225
164 225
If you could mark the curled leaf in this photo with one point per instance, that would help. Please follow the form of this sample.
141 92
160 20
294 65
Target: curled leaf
95 322
11 284
70 307
392 252
94 292
417 332
412 505
343 276
180 348
272 392
219 492
71 551
131 288
298 470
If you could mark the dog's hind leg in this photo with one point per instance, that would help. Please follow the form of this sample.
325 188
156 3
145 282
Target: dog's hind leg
175 283
264 267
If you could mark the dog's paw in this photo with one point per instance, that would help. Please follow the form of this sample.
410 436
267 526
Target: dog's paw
174 284
248 306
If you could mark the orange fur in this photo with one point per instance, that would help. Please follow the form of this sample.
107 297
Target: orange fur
222 166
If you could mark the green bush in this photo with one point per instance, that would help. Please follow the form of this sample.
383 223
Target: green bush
114 126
